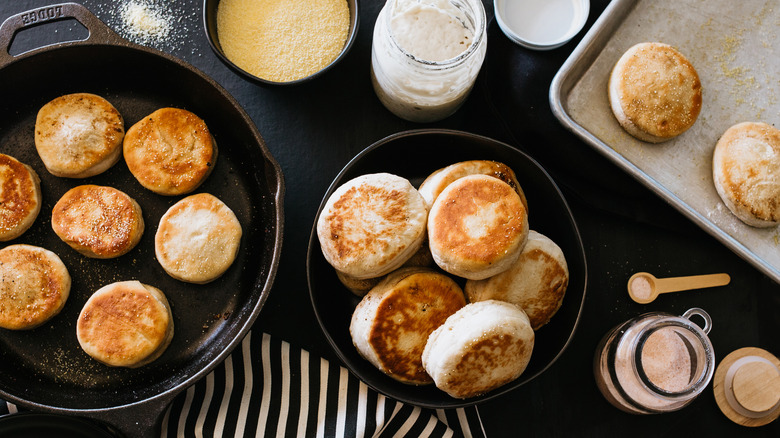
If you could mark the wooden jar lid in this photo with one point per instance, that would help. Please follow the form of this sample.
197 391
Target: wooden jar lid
747 386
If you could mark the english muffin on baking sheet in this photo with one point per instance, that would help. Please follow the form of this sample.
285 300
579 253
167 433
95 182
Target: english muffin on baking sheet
170 152
477 227
198 239
371 225
20 197
125 324
391 324
482 346
34 285
436 182
79 135
98 221
536 282
655 92
746 172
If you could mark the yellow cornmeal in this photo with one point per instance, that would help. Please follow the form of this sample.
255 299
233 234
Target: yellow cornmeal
282 40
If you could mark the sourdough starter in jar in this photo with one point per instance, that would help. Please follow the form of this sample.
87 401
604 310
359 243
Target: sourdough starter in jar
426 55
655 362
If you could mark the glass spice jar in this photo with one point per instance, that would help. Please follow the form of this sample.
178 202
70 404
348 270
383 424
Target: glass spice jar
655 363
426 55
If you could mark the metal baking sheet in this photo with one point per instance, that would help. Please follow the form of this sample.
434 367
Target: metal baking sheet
735 48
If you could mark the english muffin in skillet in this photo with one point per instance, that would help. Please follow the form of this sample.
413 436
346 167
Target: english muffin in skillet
391 324
436 182
198 239
98 221
125 324
482 346
655 92
536 282
477 227
746 172
20 197
79 135
170 152
371 225
34 285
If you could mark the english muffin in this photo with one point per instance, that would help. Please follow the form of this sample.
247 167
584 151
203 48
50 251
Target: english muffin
371 225
436 182
197 239
170 152
746 172
655 92
20 197
79 135
536 282
359 287
125 324
482 346
391 324
98 221
477 227
34 285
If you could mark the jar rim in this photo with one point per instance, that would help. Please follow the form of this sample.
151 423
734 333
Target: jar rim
479 34
698 382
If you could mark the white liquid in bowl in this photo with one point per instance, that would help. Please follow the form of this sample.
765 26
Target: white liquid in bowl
542 22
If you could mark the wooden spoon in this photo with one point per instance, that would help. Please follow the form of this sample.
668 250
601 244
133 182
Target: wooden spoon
644 287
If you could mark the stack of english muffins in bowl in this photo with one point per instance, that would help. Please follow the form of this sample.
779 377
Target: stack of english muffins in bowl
449 281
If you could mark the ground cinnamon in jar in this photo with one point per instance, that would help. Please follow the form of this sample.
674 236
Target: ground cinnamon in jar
282 40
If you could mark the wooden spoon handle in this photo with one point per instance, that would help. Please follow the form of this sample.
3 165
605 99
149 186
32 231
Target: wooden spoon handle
674 284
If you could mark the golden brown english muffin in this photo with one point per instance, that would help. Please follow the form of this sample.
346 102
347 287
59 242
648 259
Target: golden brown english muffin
536 282
371 225
170 152
391 324
98 221
197 239
746 172
79 135
482 346
360 287
654 91
34 285
436 182
125 324
20 197
477 227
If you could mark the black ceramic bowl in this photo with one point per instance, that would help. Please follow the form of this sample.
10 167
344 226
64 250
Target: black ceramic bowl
210 23
414 155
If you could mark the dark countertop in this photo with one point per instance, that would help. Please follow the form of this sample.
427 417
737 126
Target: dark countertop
314 129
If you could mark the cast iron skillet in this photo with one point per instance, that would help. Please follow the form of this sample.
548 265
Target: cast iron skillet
414 155
45 369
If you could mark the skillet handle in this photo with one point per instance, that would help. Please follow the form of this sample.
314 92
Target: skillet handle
142 420
99 32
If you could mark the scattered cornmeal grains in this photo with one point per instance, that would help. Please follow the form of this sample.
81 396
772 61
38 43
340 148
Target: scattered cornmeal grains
282 40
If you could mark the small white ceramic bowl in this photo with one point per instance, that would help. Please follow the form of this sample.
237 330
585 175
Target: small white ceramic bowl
541 24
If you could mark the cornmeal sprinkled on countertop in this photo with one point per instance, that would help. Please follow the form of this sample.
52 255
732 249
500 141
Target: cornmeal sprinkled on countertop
281 40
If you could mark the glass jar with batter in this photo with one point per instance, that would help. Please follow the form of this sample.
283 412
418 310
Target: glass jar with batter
655 363
426 55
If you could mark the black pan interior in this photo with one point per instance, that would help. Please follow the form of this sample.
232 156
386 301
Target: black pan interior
46 366
414 155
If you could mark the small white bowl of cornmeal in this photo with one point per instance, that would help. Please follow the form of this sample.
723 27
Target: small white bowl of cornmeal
541 24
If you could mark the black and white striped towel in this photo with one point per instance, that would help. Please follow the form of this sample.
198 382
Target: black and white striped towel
266 388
